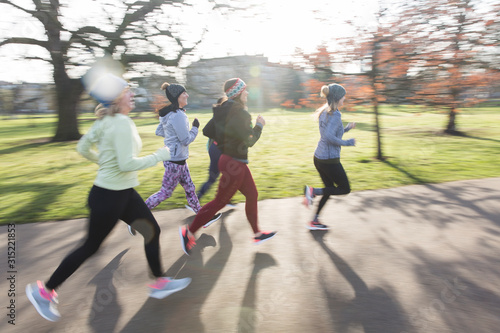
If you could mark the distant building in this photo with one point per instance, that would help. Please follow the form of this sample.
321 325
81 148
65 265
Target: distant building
269 84
26 98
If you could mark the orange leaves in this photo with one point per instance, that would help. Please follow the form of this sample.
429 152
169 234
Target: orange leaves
290 104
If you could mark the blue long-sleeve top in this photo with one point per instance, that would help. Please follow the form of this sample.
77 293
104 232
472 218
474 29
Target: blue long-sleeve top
331 131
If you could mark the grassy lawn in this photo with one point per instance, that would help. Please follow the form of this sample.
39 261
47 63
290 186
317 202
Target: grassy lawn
42 181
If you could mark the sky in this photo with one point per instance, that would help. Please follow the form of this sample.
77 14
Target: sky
280 27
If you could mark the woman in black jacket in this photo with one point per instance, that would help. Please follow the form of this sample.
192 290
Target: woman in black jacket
231 127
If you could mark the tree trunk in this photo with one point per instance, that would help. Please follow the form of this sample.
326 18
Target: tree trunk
380 156
68 93
375 71
451 128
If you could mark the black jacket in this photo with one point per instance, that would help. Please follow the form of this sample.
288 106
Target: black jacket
231 128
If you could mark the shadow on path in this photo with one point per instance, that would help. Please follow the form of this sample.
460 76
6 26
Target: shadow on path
169 314
372 308
439 208
246 322
105 309
454 296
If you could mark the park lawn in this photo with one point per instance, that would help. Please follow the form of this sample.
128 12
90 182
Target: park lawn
48 181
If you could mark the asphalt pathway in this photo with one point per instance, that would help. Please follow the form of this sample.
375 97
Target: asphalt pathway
422 258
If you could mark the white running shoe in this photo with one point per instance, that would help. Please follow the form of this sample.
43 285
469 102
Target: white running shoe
45 303
308 196
190 208
165 286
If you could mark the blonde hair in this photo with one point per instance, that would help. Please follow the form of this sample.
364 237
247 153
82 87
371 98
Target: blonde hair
101 111
325 90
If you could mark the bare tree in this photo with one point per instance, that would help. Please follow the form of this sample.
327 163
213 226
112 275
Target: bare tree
134 32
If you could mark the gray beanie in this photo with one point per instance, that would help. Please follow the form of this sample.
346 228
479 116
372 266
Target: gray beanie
335 94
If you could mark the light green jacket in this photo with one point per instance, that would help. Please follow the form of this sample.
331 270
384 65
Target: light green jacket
118 145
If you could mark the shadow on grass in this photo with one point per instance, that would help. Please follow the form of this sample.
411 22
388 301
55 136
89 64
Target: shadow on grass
30 145
41 198
416 179
372 308
482 139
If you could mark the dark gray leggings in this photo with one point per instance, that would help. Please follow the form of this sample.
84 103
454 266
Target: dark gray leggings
334 178
213 171
106 208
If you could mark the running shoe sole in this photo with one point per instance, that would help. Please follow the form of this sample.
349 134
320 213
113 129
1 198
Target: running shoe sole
183 243
131 230
215 218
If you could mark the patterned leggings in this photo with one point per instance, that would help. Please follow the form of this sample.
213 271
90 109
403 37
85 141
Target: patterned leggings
175 174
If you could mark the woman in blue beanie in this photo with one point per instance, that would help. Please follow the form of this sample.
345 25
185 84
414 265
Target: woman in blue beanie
327 153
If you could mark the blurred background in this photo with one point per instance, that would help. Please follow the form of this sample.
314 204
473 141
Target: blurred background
444 54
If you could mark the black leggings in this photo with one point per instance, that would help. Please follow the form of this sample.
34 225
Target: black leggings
331 175
106 208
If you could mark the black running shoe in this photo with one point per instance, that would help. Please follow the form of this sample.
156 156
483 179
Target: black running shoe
316 226
213 219
265 236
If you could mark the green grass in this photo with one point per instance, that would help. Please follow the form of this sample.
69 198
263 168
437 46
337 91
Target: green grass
42 181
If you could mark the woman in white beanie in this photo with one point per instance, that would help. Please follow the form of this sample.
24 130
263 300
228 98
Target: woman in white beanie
112 197
327 153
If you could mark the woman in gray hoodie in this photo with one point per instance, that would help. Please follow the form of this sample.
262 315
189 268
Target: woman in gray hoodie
174 127
327 154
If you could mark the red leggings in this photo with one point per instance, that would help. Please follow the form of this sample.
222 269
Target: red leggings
235 176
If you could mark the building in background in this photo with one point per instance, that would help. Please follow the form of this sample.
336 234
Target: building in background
269 84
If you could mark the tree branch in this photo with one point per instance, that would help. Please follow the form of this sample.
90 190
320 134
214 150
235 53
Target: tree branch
24 40
38 58
137 58
10 3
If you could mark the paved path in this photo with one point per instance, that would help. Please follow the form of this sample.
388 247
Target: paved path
421 258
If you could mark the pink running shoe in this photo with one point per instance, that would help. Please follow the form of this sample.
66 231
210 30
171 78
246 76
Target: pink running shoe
187 241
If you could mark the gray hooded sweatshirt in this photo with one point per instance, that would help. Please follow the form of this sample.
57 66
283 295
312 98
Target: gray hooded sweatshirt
174 127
